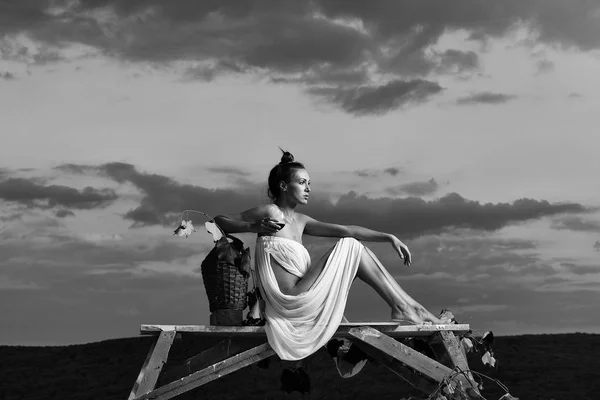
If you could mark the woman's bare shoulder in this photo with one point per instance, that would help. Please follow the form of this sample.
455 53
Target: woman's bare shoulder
303 217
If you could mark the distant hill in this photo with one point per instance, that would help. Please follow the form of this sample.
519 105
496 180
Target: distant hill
560 367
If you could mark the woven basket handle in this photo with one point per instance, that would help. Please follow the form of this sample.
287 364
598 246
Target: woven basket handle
236 242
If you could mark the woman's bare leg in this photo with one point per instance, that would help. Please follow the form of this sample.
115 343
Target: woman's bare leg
304 284
404 307
372 272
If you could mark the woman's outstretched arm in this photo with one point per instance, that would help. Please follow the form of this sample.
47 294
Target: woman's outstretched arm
324 229
254 220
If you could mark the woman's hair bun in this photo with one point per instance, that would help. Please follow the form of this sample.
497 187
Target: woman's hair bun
287 157
282 172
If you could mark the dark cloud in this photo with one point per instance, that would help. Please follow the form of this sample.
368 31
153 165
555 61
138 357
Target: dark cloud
76 168
12 217
327 75
574 223
6 75
163 198
375 100
413 216
485 98
228 171
365 173
458 61
579 269
571 24
210 71
350 53
305 42
31 193
392 171
289 34
46 56
64 213
597 245
415 188
544 66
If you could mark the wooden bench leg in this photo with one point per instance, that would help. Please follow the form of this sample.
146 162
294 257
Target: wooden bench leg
210 373
218 352
459 361
408 375
157 357
400 359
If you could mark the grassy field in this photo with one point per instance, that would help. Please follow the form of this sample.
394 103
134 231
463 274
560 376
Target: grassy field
544 367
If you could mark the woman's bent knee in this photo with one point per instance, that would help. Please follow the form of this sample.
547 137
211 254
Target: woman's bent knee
352 240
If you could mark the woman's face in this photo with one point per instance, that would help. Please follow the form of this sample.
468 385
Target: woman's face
298 187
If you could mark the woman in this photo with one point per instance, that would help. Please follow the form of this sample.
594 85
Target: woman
304 303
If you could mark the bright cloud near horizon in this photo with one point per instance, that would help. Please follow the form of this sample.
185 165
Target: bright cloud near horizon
466 128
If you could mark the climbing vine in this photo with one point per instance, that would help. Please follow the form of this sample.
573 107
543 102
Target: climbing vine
452 388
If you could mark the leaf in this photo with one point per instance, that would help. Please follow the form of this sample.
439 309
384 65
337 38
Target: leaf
255 311
181 231
185 228
449 388
227 251
488 359
214 230
487 340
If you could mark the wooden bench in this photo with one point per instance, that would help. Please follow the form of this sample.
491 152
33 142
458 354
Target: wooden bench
376 339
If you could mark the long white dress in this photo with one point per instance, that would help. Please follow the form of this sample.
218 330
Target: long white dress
298 325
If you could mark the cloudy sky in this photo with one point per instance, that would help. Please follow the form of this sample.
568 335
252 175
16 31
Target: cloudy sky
468 128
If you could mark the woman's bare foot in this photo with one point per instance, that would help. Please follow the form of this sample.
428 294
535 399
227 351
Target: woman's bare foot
417 316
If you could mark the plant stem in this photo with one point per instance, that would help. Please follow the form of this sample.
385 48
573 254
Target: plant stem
205 214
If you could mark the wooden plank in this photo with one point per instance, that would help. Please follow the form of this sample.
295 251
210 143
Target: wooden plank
404 354
393 354
142 373
389 328
157 357
395 366
218 352
452 347
459 361
210 373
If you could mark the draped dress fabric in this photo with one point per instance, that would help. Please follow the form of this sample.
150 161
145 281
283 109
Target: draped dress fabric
298 325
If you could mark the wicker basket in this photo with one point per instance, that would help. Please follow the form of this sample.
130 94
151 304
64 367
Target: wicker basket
225 272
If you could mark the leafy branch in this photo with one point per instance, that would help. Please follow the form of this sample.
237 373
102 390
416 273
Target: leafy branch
185 227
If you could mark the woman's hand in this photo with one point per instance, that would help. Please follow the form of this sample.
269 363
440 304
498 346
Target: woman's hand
402 250
268 226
